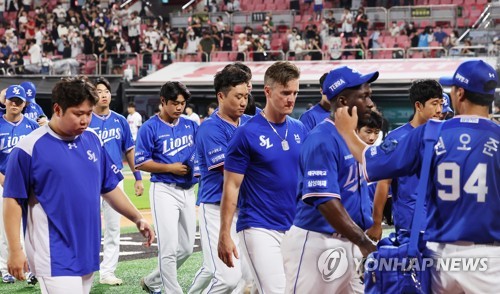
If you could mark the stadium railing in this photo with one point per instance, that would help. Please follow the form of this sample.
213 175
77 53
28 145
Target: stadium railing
376 15
386 53
114 61
433 51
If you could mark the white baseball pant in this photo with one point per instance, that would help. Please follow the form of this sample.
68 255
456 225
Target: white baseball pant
111 246
262 248
174 216
460 281
302 250
214 276
64 285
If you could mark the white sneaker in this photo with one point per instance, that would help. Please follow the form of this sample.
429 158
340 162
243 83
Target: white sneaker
111 280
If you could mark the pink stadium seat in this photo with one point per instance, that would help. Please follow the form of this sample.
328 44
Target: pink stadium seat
260 7
270 7
416 54
460 22
276 44
434 2
483 2
237 29
401 39
282 6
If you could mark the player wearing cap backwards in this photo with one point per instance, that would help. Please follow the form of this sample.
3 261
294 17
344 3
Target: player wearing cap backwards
333 207
32 110
318 112
447 112
13 127
426 97
463 202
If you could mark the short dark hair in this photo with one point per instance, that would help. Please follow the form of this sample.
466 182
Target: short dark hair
170 91
190 105
103 81
281 72
131 104
242 67
423 90
478 98
213 105
230 76
322 79
73 91
375 121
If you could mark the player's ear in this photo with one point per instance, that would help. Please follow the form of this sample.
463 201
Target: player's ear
57 110
342 100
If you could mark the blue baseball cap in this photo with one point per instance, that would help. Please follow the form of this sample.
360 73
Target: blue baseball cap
15 91
475 76
345 77
446 104
30 90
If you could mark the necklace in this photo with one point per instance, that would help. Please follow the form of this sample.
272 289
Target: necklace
284 142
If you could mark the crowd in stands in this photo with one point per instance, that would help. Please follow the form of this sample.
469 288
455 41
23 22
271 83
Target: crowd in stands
53 38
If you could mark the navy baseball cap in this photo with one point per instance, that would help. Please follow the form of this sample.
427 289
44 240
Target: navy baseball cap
15 91
475 76
345 77
30 90
446 104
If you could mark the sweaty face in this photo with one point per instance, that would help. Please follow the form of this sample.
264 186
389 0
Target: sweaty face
234 103
75 119
361 98
173 109
368 135
14 105
281 98
431 109
104 96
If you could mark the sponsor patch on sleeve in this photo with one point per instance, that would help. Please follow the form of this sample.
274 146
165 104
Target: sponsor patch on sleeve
388 145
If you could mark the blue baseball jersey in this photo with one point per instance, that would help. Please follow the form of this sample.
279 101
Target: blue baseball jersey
404 187
10 134
33 111
328 170
211 145
314 116
464 191
115 134
168 143
66 179
269 188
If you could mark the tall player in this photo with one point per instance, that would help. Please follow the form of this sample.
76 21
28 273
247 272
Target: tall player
13 127
318 112
32 110
114 131
55 177
231 88
165 147
333 207
260 173
426 97
463 201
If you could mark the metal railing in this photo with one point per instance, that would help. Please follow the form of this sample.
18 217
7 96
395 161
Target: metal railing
191 57
434 13
386 53
227 56
89 64
468 51
327 55
432 50
118 61
267 55
375 14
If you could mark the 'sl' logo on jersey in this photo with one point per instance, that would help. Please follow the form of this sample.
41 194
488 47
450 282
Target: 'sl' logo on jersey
265 142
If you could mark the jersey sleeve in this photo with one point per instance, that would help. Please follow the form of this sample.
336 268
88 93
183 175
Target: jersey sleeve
128 141
110 172
238 153
394 158
144 146
320 174
17 181
307 120
212 144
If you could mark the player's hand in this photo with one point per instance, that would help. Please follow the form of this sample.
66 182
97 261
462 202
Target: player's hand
344 121
42 121
17 264
178 169
226 249
374 232
138 187
367 247
146 230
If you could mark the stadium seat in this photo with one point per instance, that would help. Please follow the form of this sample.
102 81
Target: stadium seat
260 7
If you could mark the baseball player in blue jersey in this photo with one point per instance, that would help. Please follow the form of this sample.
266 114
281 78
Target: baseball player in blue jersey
333 208
13 127
260 174
114 132
32 110
165 147
463 201
447 112
318 112
426 97
231 88
54 179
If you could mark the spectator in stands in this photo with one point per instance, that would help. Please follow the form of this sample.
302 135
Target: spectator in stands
48 44
211 108
27 4
5 50
394 29
494 47
134 30
216 36
318 9
424 39
329 15
213 7
334 46
35 56
398 54
314 47
360 45
60 13
12 5
196 26
243 45
192 45
17 62
361 22
181 43
165 49
440 35
40 16
374 42
409 29
347 22
190 114
206 46
348 46
467 50
220 23
311 32
227 41
154 37
22 20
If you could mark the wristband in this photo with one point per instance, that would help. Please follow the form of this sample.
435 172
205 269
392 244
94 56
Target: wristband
137 175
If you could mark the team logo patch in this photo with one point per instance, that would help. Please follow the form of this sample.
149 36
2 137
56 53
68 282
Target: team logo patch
297 138
333 264
389 145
